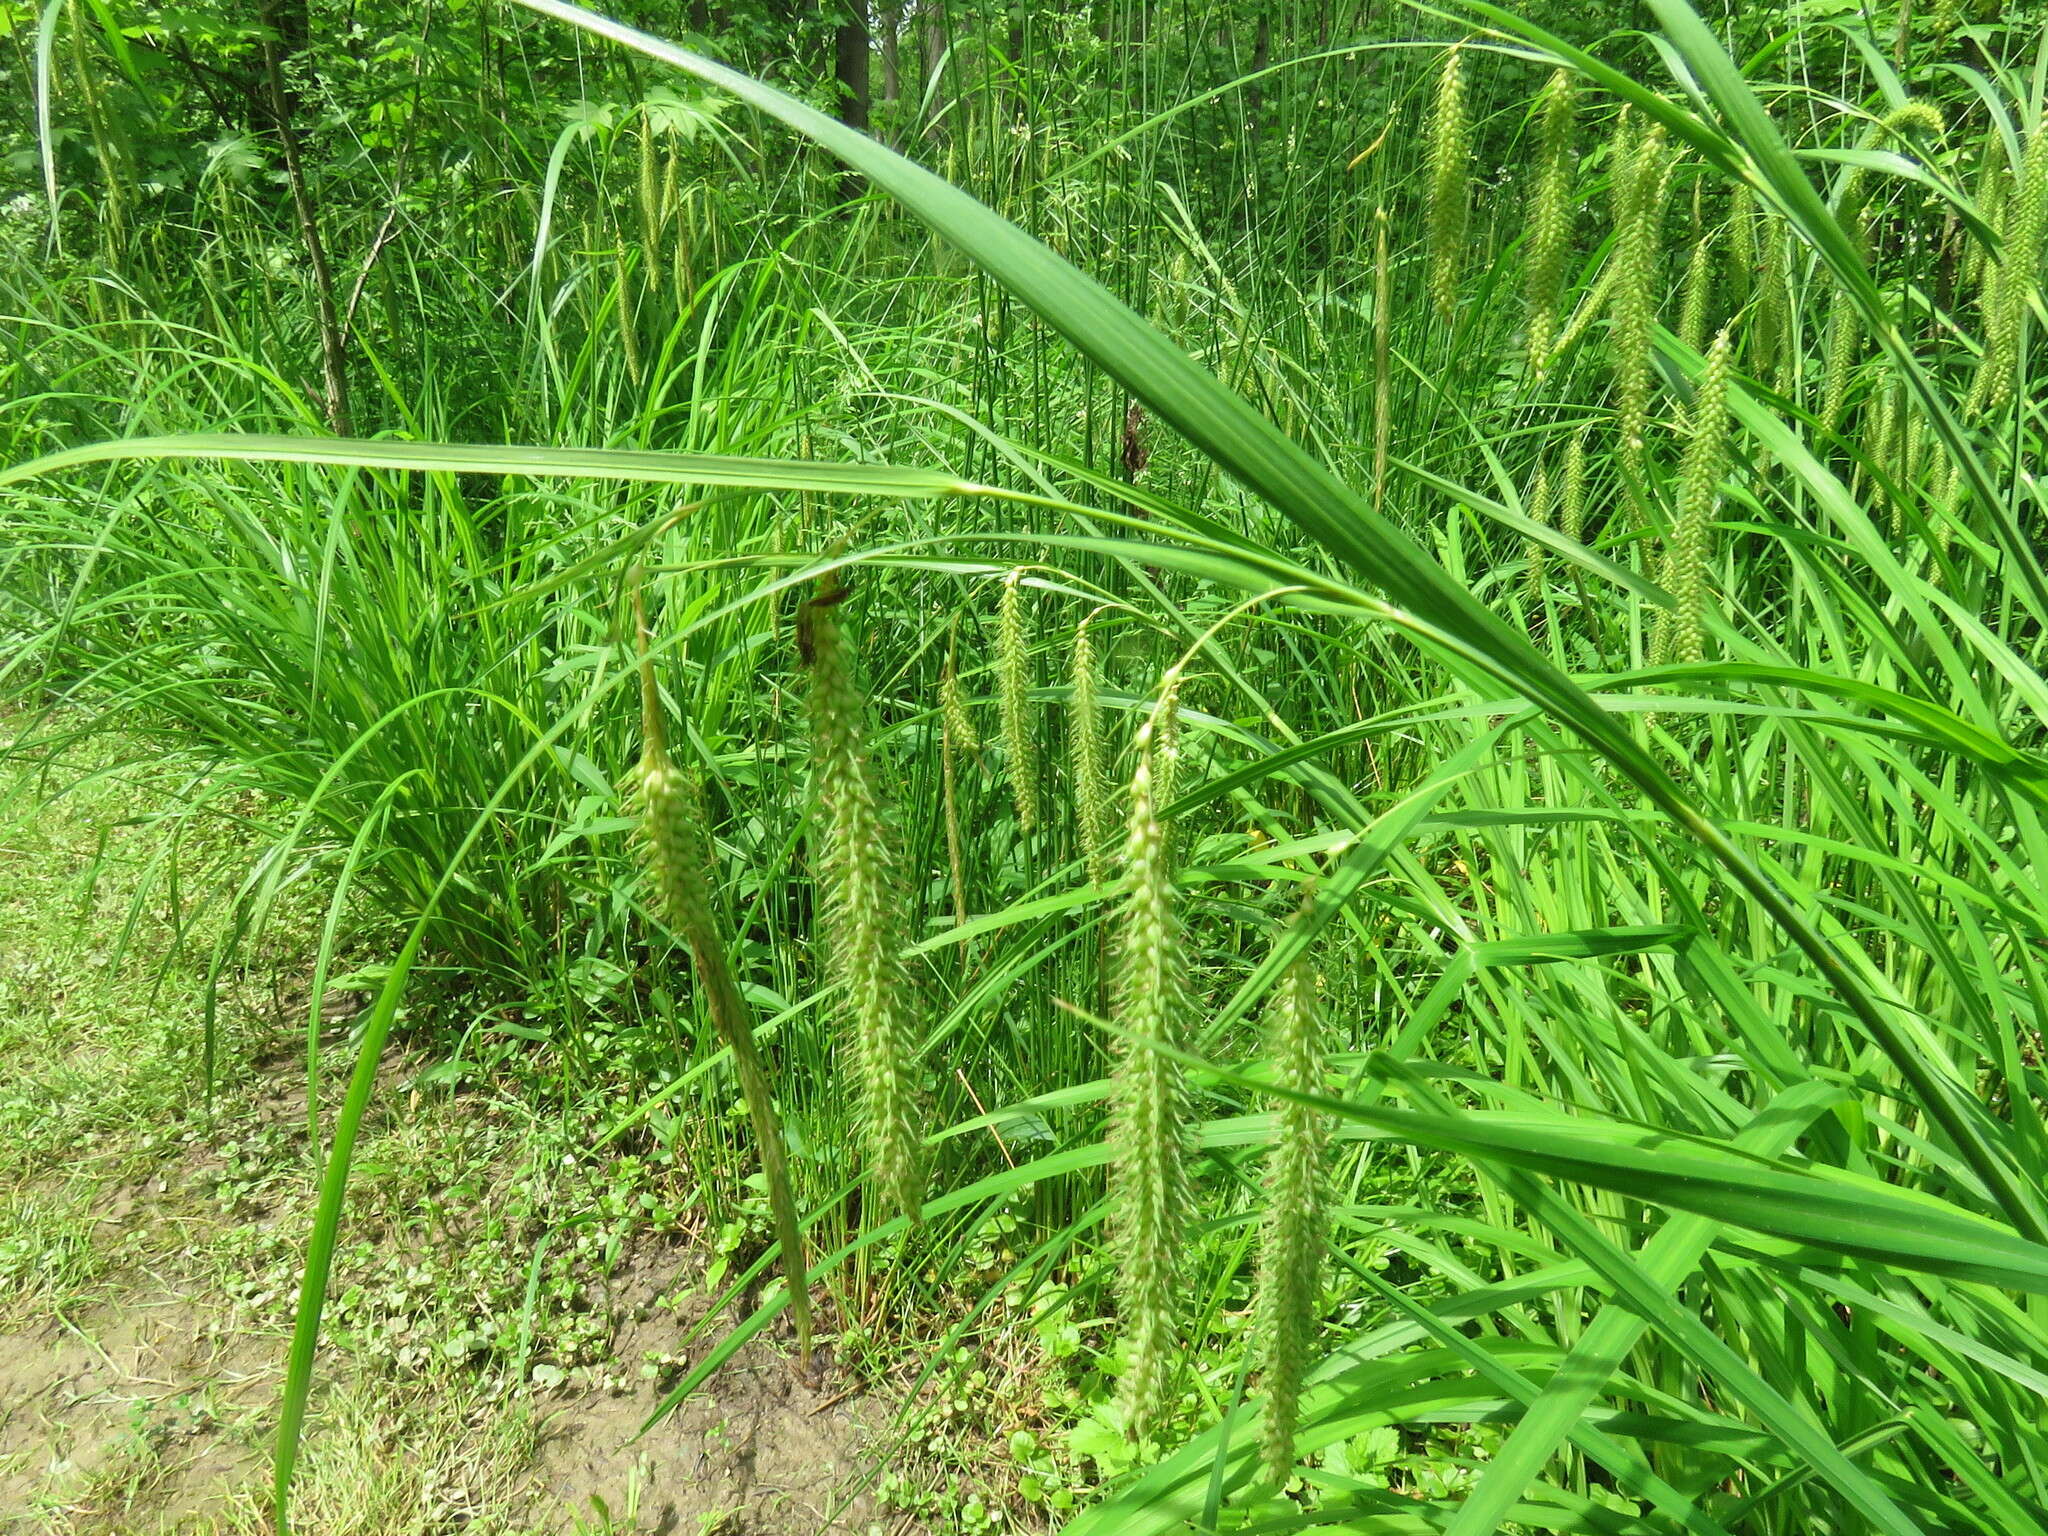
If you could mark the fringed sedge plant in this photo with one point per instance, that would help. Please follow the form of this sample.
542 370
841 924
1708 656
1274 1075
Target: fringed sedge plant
1149 1131
677 848
1013 698
1288 1301
863 909
1093 817
1550 216
1682 634
957 736
1449 151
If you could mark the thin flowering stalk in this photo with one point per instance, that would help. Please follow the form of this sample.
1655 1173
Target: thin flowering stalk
677 850
1382 371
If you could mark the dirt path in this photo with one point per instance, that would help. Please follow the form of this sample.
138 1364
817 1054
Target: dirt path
508 1305
143 1418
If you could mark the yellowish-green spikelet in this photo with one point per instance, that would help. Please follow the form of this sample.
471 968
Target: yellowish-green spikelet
1091 776
1879 444
954 714
1915 116
863 911
1698 293
1166 741
1953 496
1638 246
1149 1152
1539 508
622 312
1683 635
1450 157
683 254
677 849
1990 195
1382 372
651 207
956 736
1013 698
1550 218
1742 246
1845 334
1775 341
1621 159
1571 501
2017 267
1912 460
1289 1294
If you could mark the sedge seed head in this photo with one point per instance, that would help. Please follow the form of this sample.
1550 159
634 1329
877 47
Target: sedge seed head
1090 774
1149 1152
1013 696
1550 218
862 916
1449 152
1706 460
1289 1294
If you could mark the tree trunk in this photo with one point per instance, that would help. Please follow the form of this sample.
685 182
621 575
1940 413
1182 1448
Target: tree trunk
852 47
854 44
287 28
938 42
891 18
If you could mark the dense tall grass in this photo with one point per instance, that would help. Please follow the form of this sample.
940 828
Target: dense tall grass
1653 726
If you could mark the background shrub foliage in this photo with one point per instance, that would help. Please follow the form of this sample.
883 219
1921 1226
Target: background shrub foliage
1413 749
